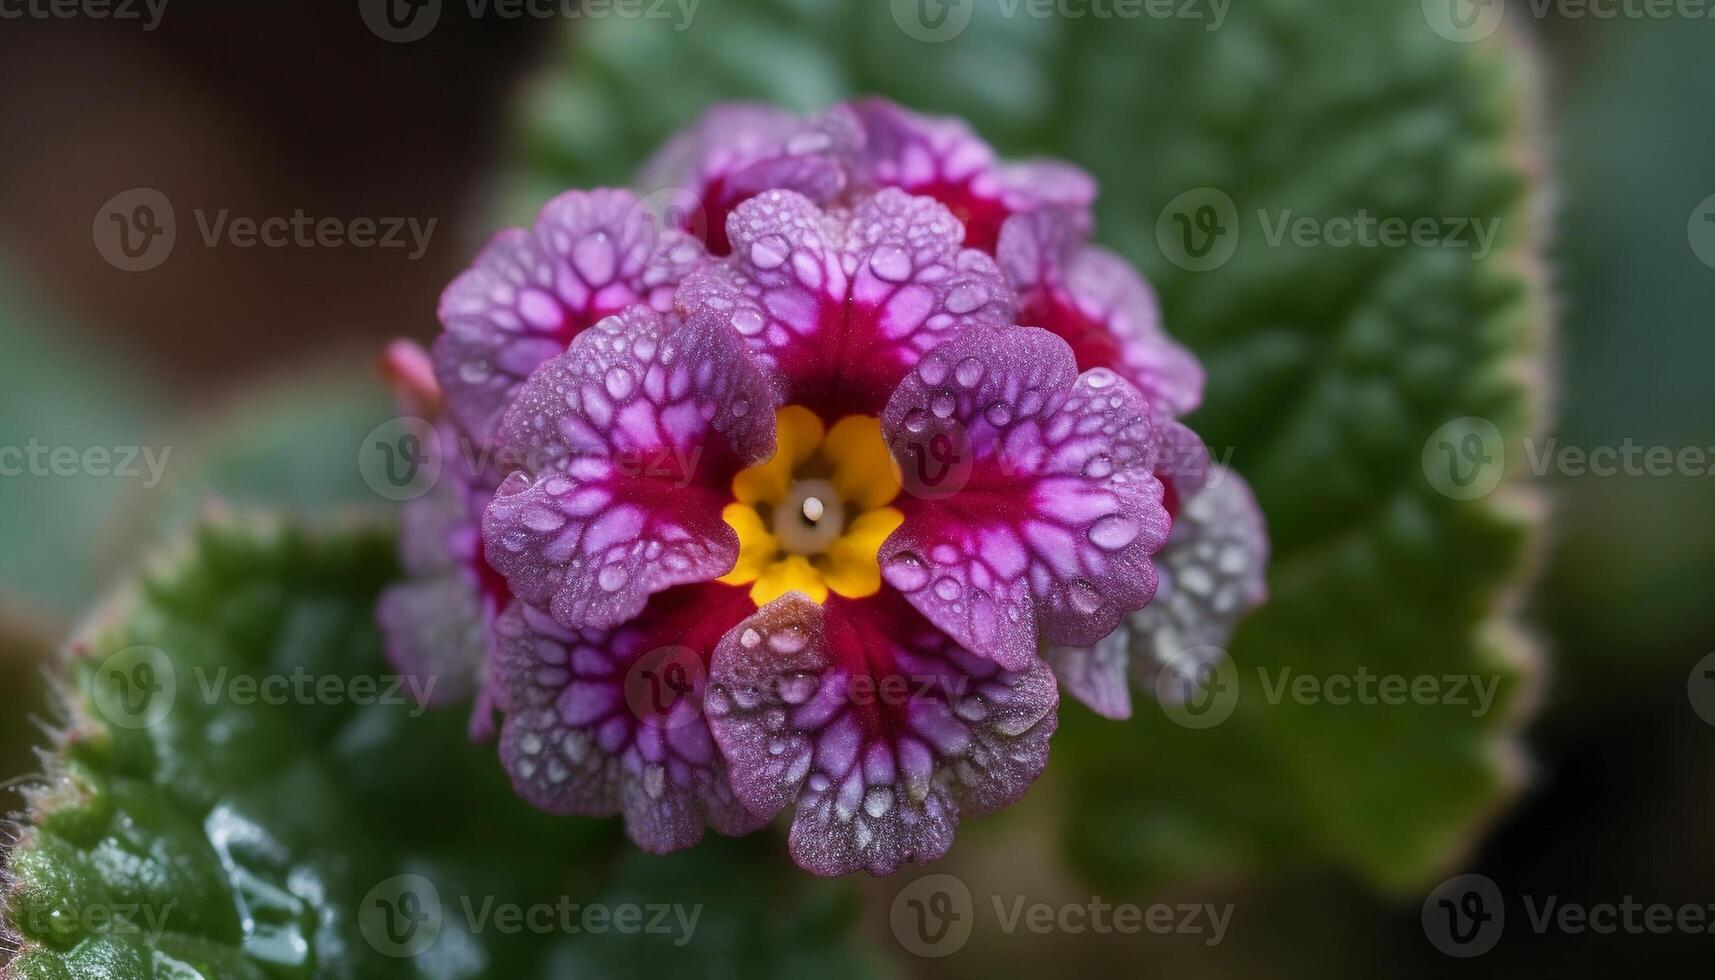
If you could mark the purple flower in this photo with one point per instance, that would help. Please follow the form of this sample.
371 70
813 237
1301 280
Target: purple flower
810 519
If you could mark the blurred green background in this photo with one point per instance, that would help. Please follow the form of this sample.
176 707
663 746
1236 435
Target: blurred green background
254 368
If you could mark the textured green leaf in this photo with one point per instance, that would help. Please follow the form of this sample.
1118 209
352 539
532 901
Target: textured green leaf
1330 367
244 837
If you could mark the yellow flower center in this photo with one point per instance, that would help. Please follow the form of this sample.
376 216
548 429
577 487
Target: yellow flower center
812 518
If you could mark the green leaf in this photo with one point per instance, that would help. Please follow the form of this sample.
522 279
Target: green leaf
192 826
1330 367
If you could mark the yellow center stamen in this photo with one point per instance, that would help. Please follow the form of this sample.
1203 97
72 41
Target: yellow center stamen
812 517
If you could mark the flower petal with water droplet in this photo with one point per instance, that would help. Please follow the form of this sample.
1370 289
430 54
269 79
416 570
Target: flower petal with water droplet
1045 511
878 730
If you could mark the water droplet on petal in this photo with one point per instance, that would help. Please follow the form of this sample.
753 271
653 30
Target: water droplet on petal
769 252
905 572
932 369
969 372
891 262
748 321
1084 597
967 298
1113 532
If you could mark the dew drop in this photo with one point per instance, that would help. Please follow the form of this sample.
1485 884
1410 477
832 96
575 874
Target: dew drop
1085 598
967 298
905 572
890 262
932 369
475 372
969 372
769 252
748 321
1113 532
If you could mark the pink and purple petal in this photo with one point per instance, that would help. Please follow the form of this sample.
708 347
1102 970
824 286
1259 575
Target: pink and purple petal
1211 575
434 625
874 726
600 722
737 151
941 157
842 304
590 255
627 444
1051 532
1096 302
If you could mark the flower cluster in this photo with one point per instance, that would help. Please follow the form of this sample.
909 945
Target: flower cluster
813 498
